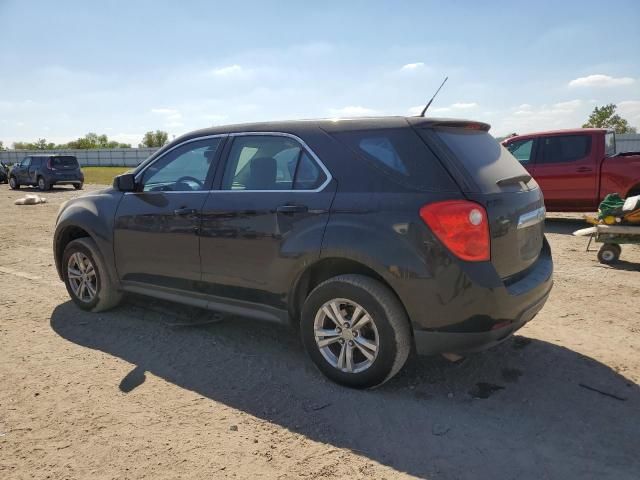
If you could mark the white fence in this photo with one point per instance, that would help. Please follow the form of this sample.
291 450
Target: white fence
115 157
628 142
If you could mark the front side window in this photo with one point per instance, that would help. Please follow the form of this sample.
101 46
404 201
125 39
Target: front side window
565 148
183 169
26 162
521 150
264 162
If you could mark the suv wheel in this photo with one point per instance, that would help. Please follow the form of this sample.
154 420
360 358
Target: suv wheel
13 184
78 186
42 184
86 278
356 331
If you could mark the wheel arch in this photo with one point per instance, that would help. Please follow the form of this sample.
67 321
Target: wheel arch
62 238
634 190
324 269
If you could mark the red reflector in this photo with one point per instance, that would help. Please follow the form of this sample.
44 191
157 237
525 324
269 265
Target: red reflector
462 226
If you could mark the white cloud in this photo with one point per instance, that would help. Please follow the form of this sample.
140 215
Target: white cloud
227 71
524 106
165 111
352 111
464 106
599 80
568 106
413 111
630 109
412 66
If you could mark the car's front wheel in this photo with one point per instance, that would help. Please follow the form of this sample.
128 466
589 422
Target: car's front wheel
86 278
356 331
13 183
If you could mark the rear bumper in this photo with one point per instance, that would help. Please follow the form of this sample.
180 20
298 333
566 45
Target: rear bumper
430 342
485 312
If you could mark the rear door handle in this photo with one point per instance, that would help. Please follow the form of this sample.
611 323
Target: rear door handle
292 209
584 170
185 211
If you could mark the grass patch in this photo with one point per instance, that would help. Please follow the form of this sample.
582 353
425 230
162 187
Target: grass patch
102 175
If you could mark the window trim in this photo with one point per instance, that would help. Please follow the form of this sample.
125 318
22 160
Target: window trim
224 160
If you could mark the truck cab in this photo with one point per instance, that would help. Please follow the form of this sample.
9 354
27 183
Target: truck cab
576 168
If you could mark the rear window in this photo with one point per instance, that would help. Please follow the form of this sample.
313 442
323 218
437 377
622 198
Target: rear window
64 162
483 158
401 155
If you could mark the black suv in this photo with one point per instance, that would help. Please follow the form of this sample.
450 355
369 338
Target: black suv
45 171
374 236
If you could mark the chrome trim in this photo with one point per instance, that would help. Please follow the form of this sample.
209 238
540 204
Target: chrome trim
304 145
531 218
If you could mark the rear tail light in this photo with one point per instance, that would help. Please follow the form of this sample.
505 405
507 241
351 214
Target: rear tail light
462 226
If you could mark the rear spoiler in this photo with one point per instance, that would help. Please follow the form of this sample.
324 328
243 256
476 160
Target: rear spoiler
448 123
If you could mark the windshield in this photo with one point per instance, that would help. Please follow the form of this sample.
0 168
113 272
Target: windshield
485 160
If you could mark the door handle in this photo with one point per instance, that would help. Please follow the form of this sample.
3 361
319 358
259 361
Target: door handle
584 170
292 209
185 211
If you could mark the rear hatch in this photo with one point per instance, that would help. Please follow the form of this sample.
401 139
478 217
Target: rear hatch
63 163
489 175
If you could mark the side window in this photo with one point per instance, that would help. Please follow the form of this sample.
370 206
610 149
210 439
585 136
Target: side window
263 162
521 150
183 169
610 144
567 148
26 162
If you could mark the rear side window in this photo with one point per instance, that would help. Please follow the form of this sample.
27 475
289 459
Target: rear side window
483 158
566 148
400 154
64 162
265 162
610 144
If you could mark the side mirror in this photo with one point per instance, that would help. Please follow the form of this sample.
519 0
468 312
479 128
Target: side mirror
125 182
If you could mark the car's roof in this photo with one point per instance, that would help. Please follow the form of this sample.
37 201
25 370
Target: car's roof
334 125
565 131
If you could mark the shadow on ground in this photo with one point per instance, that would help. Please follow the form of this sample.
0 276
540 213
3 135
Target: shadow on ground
426 422
565 226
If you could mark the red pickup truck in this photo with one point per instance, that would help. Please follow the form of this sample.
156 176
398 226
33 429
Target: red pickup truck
577 168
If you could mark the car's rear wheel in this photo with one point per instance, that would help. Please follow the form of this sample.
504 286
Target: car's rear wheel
78 186
86 278
13 183
43 185
356 331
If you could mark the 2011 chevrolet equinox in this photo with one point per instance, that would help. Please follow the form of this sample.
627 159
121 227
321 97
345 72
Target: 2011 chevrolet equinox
374 235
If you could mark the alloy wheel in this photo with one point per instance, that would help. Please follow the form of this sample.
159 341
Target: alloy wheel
82 277
346 335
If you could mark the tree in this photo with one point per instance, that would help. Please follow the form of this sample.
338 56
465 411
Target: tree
154 139
93 140
606 117
41 144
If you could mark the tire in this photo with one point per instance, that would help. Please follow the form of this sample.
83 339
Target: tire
106 294
43 185
78 186
389 328
13 183
609 253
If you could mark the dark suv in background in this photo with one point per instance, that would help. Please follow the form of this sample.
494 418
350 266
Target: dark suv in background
374 236
45 171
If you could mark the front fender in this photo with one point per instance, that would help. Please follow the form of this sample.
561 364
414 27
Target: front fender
93 214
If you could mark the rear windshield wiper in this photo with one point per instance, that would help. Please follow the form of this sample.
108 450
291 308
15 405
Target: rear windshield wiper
524 178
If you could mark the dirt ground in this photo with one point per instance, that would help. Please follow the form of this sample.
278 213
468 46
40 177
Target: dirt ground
157 391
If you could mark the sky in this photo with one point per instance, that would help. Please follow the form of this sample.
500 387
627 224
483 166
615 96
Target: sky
125 67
